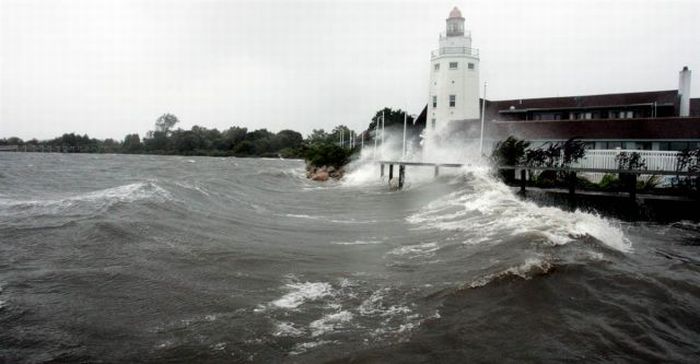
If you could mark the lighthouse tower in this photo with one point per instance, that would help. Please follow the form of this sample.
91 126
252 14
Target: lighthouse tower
454 75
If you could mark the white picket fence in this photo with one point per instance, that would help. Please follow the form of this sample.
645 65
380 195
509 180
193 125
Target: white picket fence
656 160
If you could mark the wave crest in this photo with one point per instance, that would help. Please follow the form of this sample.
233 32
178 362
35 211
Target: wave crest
86 202
487 210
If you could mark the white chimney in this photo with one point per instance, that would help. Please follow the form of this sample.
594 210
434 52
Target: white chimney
684 91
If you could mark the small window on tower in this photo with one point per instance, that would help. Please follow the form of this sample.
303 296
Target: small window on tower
434 101
453 100
437 66
470 66
432 123
453 65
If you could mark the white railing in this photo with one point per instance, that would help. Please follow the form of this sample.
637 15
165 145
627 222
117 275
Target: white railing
656 160
455 50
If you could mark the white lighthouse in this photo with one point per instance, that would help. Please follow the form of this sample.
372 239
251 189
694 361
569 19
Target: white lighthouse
454 75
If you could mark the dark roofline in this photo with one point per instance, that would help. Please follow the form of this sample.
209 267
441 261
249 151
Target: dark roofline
643 128
583 107
579 96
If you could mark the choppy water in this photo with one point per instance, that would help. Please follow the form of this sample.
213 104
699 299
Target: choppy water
116 258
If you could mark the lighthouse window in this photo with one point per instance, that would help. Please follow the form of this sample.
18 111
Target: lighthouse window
437 66
470 66
453 100
453 65
434 101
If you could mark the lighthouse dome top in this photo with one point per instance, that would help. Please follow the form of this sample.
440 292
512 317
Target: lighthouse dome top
455 13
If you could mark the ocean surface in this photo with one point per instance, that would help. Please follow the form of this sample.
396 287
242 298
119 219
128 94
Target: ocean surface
119 258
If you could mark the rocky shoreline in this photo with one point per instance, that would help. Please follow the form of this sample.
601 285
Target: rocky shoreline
324 173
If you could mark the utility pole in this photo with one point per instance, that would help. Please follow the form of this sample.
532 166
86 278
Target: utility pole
376 135
405 116
382 128
483 112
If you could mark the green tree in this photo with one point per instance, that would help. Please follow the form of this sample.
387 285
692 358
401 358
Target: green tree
166 122
319 136
509 152
109 145
327 154
288 139
132 143
156 142
232 136
392 118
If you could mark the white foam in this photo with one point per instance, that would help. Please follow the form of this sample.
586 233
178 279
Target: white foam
304 347
330 322
218 346
287 329
193 186
302 216
357 242
417 250
126 193
488 210
527 270
302 293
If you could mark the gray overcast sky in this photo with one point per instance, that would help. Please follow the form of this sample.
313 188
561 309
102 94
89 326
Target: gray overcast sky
108 68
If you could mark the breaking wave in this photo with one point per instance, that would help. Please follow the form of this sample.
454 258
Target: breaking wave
487 211
83 204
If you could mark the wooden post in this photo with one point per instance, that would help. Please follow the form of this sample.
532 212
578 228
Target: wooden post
572 190
381 170
523 181
633 186
402 175
437 170
572 184
391 172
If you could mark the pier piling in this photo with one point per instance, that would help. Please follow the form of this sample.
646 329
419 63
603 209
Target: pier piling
402 175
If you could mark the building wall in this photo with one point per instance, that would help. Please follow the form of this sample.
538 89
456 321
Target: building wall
462 82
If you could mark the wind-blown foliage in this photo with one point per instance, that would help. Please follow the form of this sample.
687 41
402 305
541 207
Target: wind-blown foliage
509 152
516 152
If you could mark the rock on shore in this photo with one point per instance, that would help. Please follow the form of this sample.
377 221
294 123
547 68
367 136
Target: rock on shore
324 173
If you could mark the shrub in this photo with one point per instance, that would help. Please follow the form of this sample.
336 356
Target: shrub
609 182
509 152
327 154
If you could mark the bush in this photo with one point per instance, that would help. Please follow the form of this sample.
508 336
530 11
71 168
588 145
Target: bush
609 182
327 154
509 152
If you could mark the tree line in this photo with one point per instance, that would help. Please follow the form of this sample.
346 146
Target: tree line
198 140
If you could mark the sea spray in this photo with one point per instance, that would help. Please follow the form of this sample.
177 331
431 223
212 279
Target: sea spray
490 209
